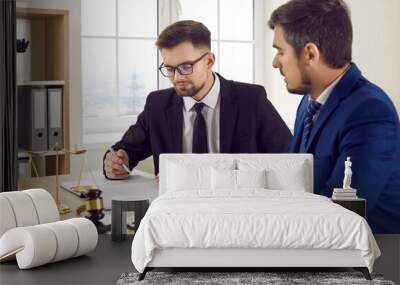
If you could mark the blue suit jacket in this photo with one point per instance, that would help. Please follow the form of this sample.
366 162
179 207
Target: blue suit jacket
360 121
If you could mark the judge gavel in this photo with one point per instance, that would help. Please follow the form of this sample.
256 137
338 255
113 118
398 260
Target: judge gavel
94 206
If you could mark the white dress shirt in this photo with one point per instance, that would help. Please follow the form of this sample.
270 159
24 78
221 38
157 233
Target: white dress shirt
210 111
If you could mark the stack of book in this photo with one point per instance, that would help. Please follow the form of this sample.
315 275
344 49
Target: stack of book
344 194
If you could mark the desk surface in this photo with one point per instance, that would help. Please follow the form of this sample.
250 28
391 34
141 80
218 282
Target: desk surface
66 197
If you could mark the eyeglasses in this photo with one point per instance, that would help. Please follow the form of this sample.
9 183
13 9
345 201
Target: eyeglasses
185 68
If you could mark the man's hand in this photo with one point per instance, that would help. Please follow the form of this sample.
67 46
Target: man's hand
113 164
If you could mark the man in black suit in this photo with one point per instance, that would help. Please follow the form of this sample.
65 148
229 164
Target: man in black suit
202 113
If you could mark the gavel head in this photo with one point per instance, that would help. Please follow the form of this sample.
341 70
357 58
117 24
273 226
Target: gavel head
94 201
93 194
94 205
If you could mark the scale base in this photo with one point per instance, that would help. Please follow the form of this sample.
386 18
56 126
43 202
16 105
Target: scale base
63 209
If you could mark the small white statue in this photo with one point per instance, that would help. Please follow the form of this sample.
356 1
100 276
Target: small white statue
347 174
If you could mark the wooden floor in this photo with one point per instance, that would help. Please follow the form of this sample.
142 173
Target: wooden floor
102 266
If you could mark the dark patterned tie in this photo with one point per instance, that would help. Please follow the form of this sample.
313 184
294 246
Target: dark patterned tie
199 144
312 109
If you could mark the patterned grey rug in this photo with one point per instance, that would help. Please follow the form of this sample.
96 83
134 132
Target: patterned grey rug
242 278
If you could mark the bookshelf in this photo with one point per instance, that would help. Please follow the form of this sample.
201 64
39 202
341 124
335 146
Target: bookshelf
44 64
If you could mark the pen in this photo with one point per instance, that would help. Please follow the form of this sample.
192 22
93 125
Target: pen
123 164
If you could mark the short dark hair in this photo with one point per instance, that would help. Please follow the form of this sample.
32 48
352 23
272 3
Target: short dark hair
183 31
326 23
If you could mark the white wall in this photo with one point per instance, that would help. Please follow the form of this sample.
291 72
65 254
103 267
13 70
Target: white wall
376 46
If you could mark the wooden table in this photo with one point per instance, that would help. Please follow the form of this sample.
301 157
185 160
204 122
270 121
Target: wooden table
73 201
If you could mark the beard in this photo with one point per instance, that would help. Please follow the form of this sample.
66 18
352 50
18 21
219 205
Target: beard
188 92
305 85
300 90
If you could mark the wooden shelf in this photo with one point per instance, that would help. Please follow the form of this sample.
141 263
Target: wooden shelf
22 153
32 13
41 83
48 65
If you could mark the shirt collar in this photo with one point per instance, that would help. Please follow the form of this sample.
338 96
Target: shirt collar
323 97
210 99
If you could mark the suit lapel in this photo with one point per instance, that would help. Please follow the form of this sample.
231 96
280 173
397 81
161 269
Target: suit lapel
298 130
341 91
228 115
174 115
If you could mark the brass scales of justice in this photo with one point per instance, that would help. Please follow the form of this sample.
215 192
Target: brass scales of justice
92 195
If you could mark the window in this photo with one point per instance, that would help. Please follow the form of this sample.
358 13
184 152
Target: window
231 25
120 60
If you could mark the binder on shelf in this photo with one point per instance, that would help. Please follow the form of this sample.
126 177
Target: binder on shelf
32 118
55 116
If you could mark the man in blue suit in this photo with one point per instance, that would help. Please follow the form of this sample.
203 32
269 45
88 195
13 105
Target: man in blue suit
341 114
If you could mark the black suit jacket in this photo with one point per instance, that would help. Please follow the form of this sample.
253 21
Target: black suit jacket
248 124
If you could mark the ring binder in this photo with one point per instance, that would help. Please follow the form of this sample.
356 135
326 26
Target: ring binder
55 116
40 117
32 118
